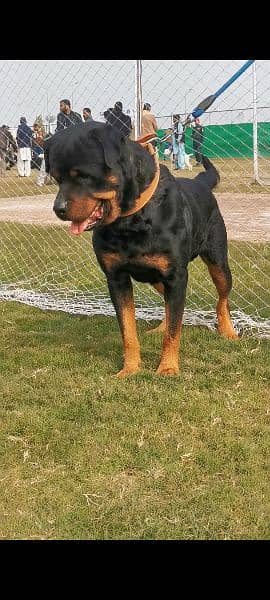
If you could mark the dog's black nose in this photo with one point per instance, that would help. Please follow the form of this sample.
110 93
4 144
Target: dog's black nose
60 207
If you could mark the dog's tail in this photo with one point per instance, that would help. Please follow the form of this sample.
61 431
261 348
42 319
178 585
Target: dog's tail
211 175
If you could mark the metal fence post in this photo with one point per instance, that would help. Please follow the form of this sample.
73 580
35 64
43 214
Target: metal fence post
255 126
138 98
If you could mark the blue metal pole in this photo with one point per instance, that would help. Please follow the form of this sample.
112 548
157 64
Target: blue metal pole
207 102
234 77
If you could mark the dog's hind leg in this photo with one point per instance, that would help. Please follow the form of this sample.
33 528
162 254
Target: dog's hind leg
221 276
162 326
215 257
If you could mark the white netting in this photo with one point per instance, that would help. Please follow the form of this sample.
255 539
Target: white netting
42 265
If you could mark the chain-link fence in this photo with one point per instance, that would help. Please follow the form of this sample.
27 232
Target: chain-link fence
236 138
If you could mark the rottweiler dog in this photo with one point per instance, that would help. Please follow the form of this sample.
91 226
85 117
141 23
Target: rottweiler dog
147 225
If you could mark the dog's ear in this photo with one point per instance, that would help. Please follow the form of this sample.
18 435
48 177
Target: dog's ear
111 141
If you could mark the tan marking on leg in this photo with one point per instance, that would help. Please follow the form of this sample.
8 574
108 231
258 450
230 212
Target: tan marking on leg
131 346
162 326
169 362
225 326
111 260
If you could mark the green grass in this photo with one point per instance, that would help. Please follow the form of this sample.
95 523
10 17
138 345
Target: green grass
87 456
12 185
84 455
236 176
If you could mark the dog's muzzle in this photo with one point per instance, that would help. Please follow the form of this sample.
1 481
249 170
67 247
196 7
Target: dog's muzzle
60 207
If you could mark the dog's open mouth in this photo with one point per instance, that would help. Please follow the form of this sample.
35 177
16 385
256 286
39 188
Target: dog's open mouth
78 227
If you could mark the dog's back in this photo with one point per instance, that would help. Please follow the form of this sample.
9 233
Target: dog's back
199 199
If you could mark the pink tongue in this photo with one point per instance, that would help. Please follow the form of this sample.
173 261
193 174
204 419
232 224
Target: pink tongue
77 228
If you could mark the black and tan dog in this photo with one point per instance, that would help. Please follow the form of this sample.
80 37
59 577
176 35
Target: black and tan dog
147 224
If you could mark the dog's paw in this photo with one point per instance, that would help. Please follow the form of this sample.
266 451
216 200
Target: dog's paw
168 370
127 371
230 334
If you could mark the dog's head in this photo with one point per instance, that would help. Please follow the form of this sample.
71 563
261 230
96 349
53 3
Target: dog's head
100 174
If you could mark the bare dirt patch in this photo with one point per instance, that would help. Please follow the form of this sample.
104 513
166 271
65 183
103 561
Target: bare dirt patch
247 216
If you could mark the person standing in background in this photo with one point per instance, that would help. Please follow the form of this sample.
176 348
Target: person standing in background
43 177
24 141
67 117
117 119
178 139
3 151
37 144
6 143
87 115
197 140
148 124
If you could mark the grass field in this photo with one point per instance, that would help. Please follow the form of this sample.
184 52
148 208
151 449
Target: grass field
86 456
236 176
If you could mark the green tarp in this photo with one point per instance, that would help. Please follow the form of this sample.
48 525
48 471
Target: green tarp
228 141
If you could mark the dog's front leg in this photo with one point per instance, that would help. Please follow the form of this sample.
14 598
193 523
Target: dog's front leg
174 295
121 293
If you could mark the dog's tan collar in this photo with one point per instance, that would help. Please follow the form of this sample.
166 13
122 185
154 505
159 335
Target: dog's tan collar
147 194
144 197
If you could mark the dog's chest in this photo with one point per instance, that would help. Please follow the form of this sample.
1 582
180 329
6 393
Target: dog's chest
147 268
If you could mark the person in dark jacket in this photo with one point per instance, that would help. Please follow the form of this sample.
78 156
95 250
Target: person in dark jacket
197 140
87 115
67 117
116 118
7 148
11 154
3 150
24 141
